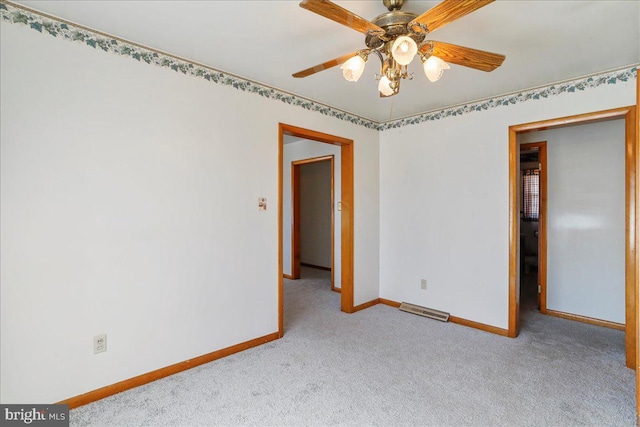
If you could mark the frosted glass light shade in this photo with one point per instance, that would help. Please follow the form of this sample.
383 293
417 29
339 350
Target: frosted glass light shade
353 68
434 67
385 86
403 50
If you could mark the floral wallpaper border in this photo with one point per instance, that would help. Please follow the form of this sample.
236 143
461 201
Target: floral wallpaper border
12 14
608 78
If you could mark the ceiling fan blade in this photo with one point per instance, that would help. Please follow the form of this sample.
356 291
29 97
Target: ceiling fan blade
465 56
324 65
448 11
340 15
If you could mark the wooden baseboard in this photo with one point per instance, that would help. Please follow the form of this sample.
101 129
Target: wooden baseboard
366 305
317 267
288 276
458 320
478 325
121 386
585 319
389 302
334 289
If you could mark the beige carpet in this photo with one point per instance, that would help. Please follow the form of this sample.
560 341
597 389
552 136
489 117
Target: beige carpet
389 368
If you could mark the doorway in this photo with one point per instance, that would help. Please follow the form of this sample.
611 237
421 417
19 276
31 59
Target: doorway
631 207
346 220
533 232
313 219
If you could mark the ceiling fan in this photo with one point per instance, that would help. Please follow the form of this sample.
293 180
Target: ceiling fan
396 37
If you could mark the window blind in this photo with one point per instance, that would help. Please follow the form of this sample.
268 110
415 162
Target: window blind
531 194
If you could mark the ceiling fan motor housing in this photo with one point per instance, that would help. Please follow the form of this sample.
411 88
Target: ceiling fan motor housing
394 24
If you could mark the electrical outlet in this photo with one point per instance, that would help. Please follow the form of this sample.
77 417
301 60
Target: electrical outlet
423 284
99 343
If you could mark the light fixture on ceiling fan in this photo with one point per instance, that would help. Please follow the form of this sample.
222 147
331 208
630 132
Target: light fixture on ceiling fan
397 37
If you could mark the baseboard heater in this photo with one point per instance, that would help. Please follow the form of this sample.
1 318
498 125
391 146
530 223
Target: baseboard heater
424 311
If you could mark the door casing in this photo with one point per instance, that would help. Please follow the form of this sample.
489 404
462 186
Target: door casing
631 217
542 222
295 223
346 226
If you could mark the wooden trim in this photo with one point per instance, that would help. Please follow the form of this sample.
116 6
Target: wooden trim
366 305
296 260
333 225
542 222
631 208
313 135
631 261
514 237
346 299
312 160
580 119
317 267
542 229
295 221
389 302
347 228
280 228
478 325
585 319
457 320
287 276
637 225
330 158
121 386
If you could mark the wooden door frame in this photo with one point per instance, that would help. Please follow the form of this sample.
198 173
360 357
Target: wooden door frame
637 227
631 207
542 221
346 226
295 217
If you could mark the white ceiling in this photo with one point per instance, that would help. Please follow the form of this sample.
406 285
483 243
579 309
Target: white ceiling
266 41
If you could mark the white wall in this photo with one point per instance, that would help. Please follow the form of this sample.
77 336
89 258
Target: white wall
586 219
315 214
444 203
300 149
129 207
